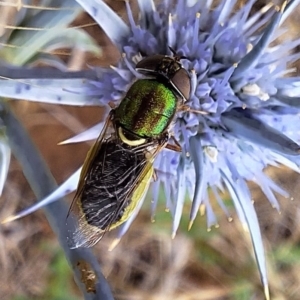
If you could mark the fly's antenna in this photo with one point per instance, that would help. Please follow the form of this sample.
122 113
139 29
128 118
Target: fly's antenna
176 56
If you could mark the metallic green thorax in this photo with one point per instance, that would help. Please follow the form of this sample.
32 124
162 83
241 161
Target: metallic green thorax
147 109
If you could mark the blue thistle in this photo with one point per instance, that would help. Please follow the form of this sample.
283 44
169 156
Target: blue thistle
252 110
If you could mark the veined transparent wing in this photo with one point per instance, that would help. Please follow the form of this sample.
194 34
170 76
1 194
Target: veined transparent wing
114 179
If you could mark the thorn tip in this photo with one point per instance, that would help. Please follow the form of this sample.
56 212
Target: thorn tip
267 292
190 224
114 244
10 219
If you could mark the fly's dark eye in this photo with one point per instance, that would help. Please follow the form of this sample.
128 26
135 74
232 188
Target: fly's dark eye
182 82
149 64
170 69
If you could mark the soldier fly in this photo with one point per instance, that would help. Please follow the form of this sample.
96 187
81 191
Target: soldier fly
119 167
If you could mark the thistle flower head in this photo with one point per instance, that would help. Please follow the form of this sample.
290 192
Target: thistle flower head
238 79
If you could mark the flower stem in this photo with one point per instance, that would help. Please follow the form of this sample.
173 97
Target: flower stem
87 271
11 72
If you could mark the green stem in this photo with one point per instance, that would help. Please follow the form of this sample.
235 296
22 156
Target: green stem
11 72
87 271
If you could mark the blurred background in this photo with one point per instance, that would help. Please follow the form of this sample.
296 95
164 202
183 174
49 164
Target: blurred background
147 263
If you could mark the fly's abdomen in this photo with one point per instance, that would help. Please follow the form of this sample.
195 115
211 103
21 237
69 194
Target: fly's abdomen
109 184
147 109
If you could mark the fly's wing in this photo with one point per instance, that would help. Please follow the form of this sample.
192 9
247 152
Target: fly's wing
75 214
86 235
123 174
88 162
134 195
